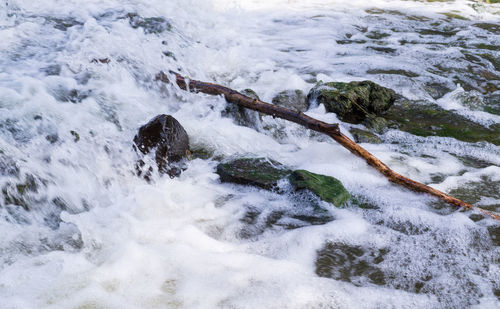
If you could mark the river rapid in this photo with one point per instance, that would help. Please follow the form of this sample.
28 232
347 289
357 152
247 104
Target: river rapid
79 229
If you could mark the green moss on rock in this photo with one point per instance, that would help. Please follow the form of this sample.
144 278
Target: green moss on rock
327 188
260 172
353 101
432 120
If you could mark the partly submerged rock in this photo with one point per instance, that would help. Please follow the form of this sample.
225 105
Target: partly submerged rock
432 120
243 116
260 172
149 24
327 188
293 99
354 101
167 137
362 136
266 174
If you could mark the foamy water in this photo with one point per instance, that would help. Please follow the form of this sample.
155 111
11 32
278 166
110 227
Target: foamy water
97 236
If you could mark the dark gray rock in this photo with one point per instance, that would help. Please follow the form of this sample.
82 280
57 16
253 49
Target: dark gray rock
362 136
293 99
166 136
260 172
243 116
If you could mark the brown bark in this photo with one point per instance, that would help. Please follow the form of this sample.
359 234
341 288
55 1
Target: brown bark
331 130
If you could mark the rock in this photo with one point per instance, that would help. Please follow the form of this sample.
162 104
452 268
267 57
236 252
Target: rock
293 99
494 232
8 166
260 172
22 193
376 124
353 101
327 188
266 174
243 116
362 136
149 24
167 137
432 120
350 263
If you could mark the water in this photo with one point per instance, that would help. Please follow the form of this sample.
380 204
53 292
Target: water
82 231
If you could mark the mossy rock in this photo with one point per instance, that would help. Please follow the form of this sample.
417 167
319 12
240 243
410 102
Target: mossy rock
432 120
327 188
354 101
260 172
362 136
293 99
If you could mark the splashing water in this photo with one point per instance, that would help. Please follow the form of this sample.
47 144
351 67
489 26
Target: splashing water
81 230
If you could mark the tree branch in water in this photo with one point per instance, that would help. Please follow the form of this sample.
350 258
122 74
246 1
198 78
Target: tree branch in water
331 130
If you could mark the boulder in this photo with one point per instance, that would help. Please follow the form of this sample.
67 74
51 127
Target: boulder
260 172
354 101
166 136
293 99
328 188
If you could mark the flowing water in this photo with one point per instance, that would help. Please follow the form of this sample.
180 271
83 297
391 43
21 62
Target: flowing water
78 228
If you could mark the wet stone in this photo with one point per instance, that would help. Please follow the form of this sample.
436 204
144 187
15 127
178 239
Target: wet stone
54 69
350 263
22 193
8 166
327 188
362 136
243 116
257 221
385 50
436 90
432 120
392 72
293 99
167 138
260 172
52 138
154 25
354 101
494 232
63 24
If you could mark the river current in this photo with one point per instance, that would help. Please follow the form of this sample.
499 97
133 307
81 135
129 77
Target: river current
79 229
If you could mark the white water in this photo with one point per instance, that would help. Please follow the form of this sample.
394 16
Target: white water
184 242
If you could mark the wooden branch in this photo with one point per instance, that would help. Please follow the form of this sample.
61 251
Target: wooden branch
331 130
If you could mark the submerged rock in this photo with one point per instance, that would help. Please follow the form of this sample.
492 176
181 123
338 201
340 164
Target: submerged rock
149 24
293 99
354 101
350 263
327 188
362 136
260 172
432 120
167 137
243 116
